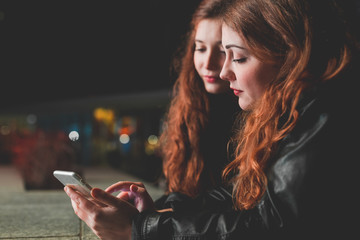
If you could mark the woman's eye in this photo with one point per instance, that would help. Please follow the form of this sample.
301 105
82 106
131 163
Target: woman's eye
200 49
240 60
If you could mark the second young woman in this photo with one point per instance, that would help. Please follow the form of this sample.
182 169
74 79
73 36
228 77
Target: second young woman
202 111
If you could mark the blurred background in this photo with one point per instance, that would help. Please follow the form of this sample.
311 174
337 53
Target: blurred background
86 84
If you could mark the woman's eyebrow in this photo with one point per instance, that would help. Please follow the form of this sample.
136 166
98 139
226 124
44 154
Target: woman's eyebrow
200 41
234 46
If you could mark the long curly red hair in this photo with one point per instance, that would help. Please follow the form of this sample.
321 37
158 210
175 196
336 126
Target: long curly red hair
311 45
187 117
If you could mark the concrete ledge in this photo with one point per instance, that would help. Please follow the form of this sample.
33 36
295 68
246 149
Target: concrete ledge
10 179
37 214
48 214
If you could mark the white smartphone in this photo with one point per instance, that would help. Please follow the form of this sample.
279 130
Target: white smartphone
73 180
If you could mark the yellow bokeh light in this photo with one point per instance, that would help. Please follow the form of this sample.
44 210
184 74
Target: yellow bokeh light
102 114
153 140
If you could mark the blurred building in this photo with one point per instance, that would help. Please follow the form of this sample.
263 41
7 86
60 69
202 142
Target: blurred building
86 83
115 131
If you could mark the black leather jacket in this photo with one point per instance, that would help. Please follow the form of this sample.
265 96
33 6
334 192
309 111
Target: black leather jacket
312 185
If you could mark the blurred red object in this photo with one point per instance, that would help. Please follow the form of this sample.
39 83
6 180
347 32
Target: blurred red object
37 154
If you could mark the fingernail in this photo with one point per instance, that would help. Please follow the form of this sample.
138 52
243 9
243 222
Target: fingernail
134 188
96 192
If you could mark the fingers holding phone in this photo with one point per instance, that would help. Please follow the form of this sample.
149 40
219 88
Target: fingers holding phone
81 204
74 181
100 210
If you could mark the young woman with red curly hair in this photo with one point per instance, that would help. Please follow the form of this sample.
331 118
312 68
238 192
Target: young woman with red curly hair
202 111
294 66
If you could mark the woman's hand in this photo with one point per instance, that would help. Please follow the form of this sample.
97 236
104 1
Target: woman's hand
108 217
133 192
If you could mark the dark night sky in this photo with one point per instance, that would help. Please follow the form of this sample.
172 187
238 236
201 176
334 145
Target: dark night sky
65 49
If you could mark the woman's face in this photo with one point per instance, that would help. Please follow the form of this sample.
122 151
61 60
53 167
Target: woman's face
209 55
247 75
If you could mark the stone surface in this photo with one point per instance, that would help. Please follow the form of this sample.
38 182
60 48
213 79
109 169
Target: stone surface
48 214
37 214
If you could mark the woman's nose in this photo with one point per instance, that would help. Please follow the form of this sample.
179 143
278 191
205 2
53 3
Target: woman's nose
213 61
226 73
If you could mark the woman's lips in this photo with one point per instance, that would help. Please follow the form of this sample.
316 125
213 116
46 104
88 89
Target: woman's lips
236 92
210 79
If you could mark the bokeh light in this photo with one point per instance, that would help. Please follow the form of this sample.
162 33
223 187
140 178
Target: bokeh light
74 136
124 138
